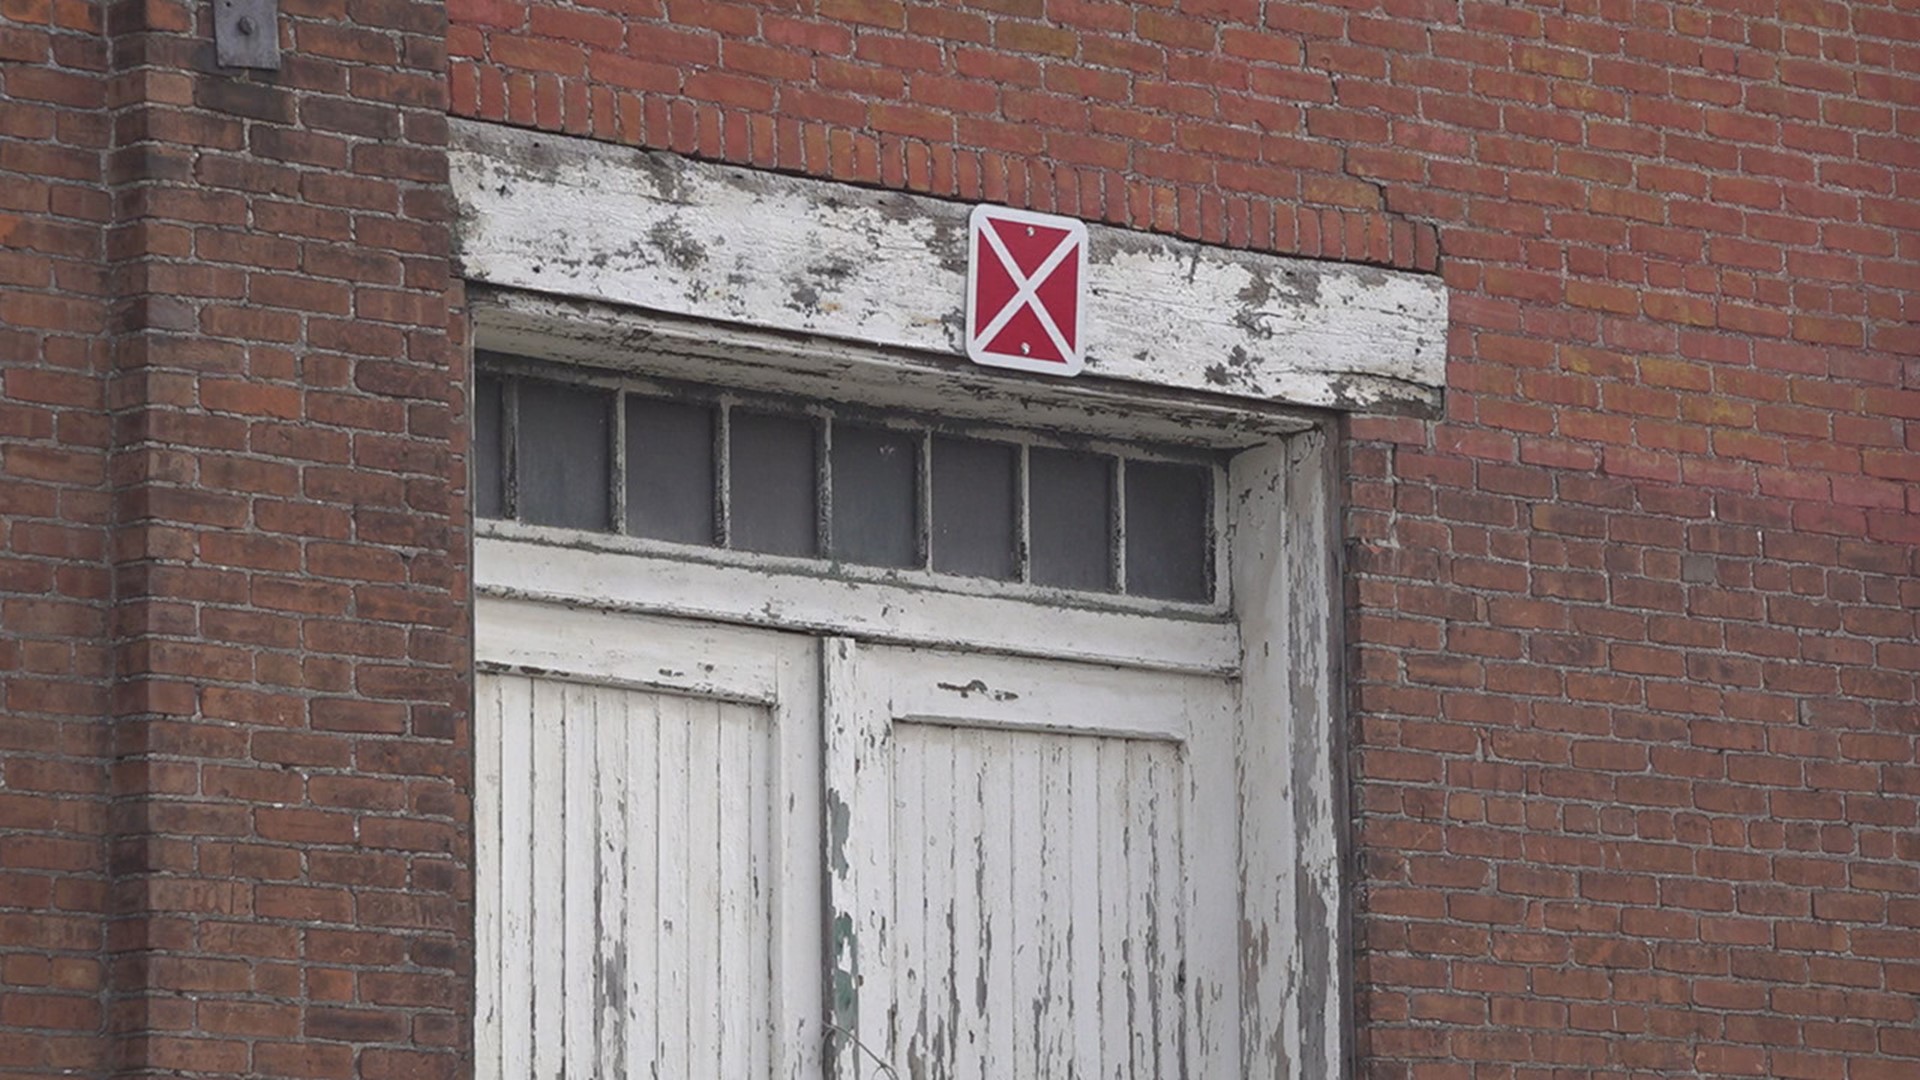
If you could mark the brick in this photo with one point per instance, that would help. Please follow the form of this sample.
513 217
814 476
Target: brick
882 13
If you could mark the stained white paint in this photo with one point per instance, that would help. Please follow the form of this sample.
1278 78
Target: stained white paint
625 339
653 230
672 847
495 868
1292 929
648 880
524 561
1064 918
1316 716
1031 852
860 948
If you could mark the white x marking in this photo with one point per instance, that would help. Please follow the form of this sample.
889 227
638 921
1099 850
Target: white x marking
1027 288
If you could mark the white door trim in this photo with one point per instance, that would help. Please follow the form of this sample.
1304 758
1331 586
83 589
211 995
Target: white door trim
513 563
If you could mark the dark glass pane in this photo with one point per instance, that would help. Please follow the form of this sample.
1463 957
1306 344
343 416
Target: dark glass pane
564 467
973 508
875 479
670 470
771 504
1168 511
489 463
1070 511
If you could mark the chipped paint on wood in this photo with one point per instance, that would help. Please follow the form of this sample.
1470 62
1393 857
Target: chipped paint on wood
976 943
661 346
1292 933
647 877
1003 841
1317 714
512 560
1231 955
1058 890
648 899
577 218
859 947
1268 953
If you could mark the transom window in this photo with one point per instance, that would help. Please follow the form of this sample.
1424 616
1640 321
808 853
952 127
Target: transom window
567 447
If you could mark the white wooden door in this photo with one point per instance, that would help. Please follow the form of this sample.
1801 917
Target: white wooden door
1032 868
647 834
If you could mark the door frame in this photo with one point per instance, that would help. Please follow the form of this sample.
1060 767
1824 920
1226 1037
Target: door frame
1284 643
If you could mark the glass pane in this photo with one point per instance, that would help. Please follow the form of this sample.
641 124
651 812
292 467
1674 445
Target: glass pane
564 466
489 465
1168 507
670 470
1070 509
771 503
973 508
875 481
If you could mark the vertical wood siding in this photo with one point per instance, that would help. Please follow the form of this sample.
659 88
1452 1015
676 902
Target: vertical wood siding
1038 904
624 860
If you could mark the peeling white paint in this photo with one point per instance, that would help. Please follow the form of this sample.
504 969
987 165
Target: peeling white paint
624 339
647 860
1293 931
522 561
1195 753
656 231
1040 865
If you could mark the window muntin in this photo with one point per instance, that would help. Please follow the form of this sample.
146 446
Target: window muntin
571 448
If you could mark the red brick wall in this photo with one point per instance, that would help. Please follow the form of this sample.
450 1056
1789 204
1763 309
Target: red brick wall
1634 642
1635 651
54 538
232 821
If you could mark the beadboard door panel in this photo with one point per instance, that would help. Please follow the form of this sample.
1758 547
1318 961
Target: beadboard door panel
648 853
1039 874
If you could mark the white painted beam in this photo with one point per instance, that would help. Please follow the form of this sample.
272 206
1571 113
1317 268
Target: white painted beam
657 231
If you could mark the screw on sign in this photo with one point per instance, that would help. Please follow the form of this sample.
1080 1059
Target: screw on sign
1026 283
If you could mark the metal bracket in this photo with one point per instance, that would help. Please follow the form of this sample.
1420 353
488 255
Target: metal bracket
246 33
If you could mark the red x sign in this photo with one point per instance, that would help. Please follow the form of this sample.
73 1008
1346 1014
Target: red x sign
1026 279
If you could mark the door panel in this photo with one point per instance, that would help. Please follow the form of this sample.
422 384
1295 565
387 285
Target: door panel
633 916
1029 864
1038 874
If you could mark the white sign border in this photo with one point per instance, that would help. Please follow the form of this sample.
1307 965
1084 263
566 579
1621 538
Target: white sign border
977 337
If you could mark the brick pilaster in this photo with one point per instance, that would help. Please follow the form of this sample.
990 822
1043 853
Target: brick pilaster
288 570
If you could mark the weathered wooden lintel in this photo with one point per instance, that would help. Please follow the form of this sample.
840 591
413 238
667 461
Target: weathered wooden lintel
654 230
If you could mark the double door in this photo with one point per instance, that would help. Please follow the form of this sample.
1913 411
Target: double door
712 851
